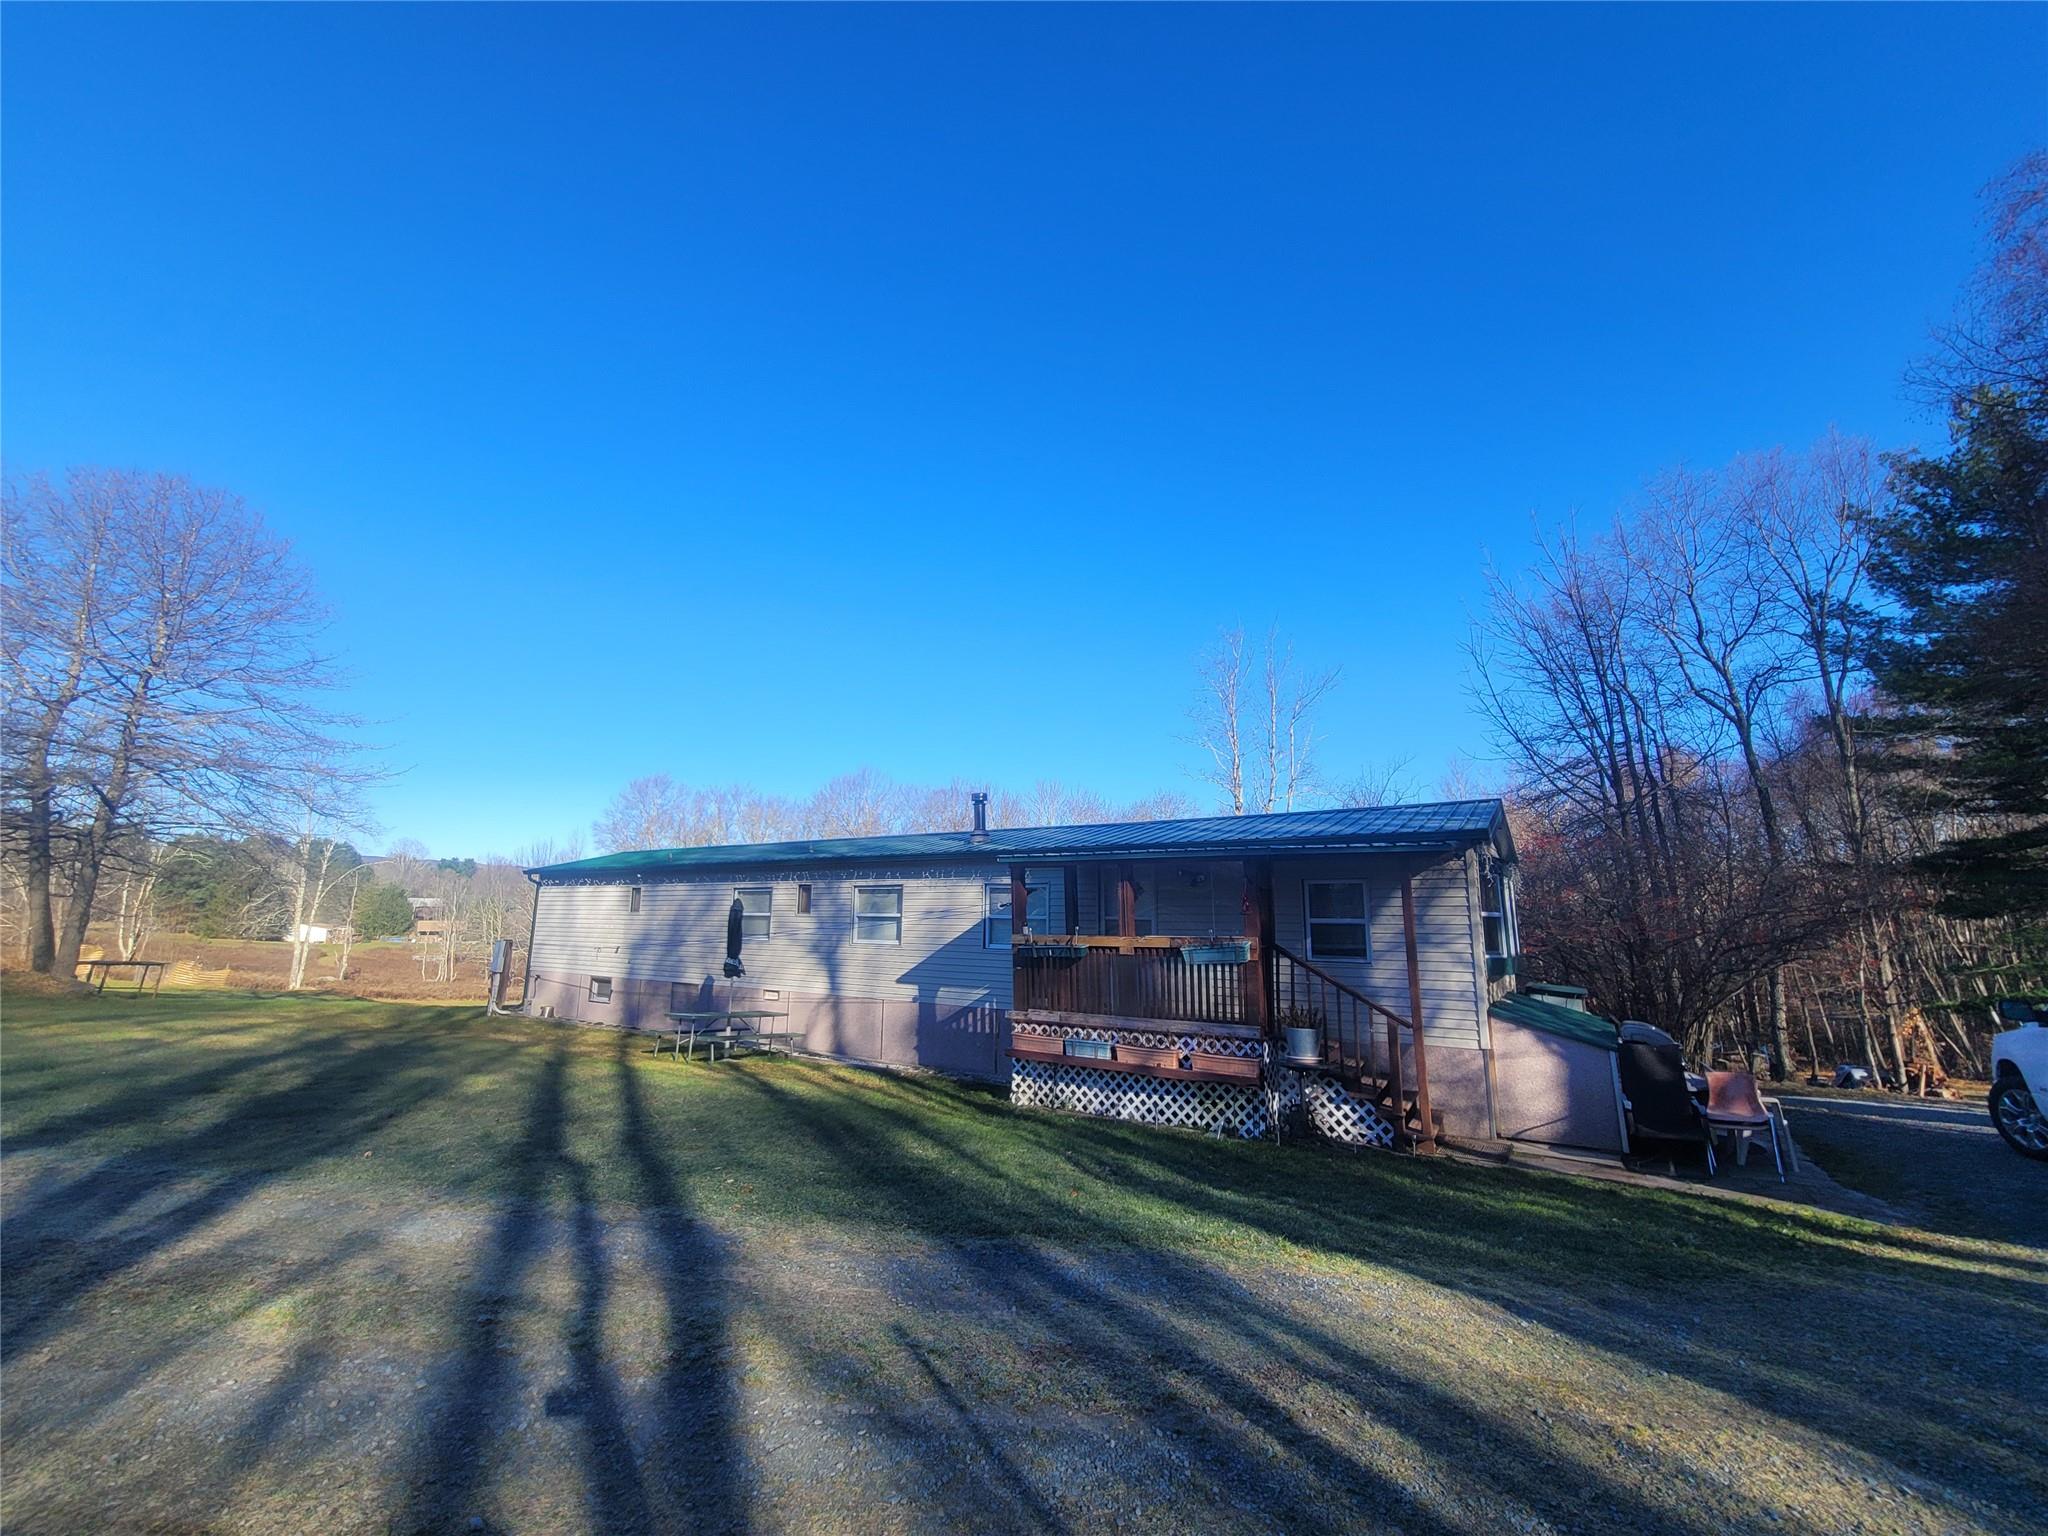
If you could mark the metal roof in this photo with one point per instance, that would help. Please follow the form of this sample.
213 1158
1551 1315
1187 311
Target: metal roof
1442 827
1556 1019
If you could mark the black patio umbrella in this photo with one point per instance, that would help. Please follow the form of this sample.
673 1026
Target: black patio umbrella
735 922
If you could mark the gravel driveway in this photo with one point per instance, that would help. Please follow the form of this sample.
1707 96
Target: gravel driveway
1940 1164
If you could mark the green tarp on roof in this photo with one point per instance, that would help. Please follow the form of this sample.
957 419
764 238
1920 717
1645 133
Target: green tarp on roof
1552 1019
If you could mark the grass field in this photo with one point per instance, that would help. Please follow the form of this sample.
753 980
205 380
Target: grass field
295 1264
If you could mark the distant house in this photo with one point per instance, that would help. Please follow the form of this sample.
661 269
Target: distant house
429 918
1150 970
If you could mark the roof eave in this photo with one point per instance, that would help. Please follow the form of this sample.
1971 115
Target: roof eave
996 854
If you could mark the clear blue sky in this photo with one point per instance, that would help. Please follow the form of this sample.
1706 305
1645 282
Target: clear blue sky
756 393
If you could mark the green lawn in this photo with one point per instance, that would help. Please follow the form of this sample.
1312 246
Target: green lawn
296 1263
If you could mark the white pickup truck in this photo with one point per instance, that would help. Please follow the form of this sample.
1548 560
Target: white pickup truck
2019 1079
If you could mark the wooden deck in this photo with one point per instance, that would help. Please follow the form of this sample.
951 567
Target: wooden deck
1136 978
1117 985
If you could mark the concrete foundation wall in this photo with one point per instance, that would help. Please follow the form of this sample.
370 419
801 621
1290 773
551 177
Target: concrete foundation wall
965 1039
1457 1089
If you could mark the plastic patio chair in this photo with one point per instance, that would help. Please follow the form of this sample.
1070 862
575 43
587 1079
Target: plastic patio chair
1659 1103
1776 1107
1735 1108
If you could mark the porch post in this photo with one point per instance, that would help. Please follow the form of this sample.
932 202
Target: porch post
1425 1136
1126 906
1258 926
1020 895
1070 875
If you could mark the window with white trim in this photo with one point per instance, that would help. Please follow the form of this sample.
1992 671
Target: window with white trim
757 904
878 914
633 905
1497 916
600 989
1338 926
995 927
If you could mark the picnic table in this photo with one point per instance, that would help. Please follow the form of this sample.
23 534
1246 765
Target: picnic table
719 1026
144 969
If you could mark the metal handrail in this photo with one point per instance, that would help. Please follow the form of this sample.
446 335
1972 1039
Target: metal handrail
1345 987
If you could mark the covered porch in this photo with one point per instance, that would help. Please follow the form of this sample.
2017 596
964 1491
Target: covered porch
1164 984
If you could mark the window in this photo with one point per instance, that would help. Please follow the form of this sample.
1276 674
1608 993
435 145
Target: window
878 914
1497 917
759 902
803 900
1336 919
995 928
1143 901
633 905
600 989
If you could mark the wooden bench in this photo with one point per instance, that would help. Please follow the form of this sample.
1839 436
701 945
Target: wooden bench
145 971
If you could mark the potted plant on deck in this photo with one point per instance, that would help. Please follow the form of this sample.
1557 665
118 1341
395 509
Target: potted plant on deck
1302 1030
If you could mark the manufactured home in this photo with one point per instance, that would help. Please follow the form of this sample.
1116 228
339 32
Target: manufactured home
1215 972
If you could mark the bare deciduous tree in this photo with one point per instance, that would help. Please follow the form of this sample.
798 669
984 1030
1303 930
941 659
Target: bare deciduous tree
1254 723
1381 783
1999 337
657 812
161 678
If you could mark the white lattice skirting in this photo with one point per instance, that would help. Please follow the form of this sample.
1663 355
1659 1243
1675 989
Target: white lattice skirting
1225 1109
1338 1114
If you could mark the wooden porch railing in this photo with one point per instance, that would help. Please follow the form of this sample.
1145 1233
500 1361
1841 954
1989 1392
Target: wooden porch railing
1133 978
1361 1038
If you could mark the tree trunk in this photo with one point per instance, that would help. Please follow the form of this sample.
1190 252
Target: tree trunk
1891 1001
43 953
1781 1030
42 931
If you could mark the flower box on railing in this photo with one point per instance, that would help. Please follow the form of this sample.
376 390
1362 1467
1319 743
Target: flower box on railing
1053 951
1220 952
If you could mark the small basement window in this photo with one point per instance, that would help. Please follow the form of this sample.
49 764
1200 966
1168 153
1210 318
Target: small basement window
600 989
995 927
633 905
803 900
1337 927
878 914
758 916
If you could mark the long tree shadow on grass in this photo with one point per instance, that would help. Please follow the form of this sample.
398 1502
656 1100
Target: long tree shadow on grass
1537 1253
1678 1283
673 1468
1143 1332
1692 1305
696 1399
75 1233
